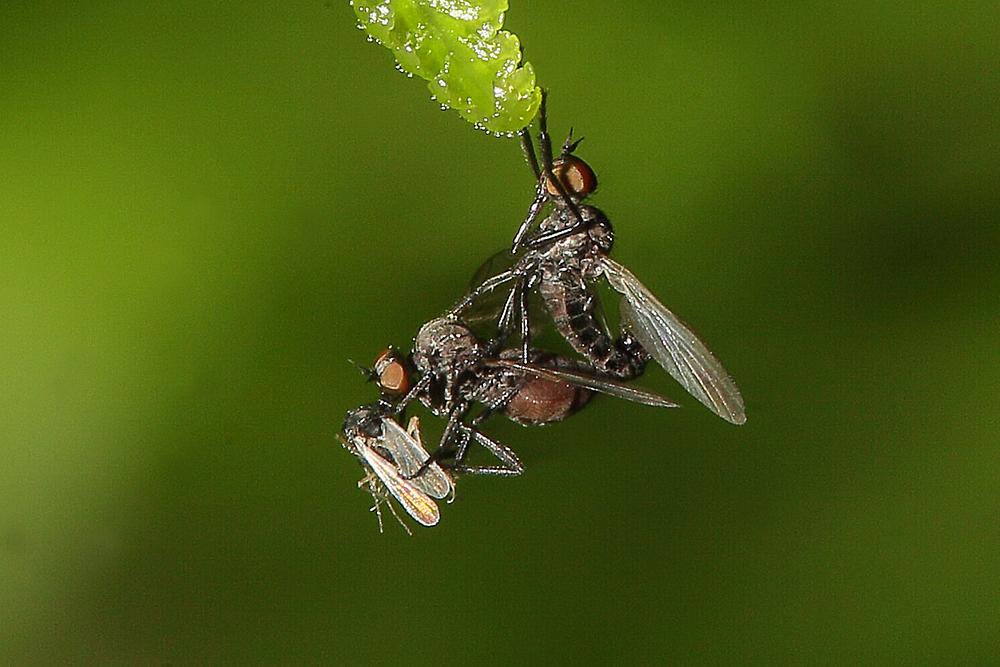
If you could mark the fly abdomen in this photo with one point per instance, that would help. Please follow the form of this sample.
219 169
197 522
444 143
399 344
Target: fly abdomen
572 307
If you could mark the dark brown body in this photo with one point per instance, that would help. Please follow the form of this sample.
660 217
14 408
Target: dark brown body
459 364
542 401
566 267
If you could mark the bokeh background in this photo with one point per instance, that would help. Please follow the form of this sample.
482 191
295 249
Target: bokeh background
206 208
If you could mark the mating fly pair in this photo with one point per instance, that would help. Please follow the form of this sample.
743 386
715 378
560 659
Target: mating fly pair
566 258
561 259
457 373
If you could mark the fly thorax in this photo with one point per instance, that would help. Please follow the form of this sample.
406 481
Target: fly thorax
364 422
363 426
495 388
558 219
567 251
590 267
599 229
446 347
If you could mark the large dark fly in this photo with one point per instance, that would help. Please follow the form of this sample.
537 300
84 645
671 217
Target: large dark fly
457 372
563 261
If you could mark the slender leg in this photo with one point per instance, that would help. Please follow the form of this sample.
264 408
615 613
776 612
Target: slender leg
418 388
511 464
481 417
545 143
541 194
378 512
544 140
549 237
533 212
398 518
445 449
525 324
454 424
463 448
529 152
487 285
498 471
505 324
492 410
506 455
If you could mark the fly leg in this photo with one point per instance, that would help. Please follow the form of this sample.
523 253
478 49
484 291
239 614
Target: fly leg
528 148
511 464
505 324
517 302
546 238
420 387
578 224
487 285
445 448
545 146
493 409
545 175
529 152
525 323
511 467
533 211
545 143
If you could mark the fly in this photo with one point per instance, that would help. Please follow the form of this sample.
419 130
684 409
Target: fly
565 259
391 457
458 371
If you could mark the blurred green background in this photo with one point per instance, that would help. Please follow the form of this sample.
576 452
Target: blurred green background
206 208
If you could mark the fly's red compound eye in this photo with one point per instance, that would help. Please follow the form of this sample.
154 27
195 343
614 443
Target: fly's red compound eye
576 176
393 375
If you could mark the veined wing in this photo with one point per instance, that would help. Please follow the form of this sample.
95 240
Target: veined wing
599 384
674 345
416 503
483 316
410 455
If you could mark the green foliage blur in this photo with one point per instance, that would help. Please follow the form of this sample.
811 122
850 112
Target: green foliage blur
207 208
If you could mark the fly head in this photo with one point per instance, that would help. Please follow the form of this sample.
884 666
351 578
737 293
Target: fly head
393 373
575 175
363 425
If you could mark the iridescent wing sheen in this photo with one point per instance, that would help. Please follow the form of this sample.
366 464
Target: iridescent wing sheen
674 345
409 454
416 503
595 383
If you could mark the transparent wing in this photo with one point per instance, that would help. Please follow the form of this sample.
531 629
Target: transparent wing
409 455
416 503
482 317
602 385
674 345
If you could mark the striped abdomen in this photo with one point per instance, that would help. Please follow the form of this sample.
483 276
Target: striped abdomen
571 306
